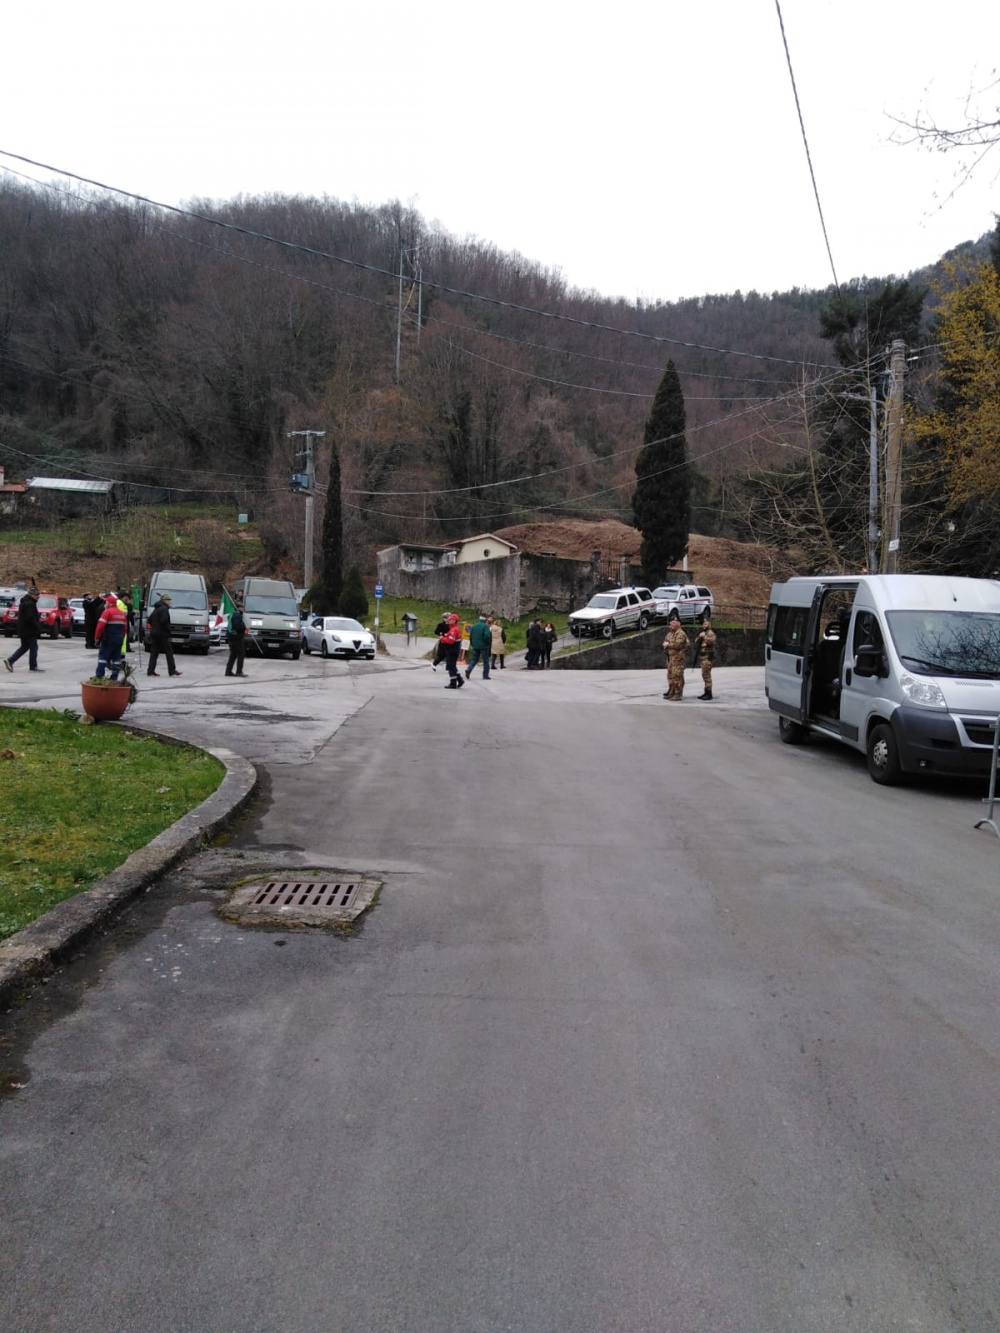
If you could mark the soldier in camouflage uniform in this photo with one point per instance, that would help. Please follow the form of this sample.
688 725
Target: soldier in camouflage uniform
704 650
677 645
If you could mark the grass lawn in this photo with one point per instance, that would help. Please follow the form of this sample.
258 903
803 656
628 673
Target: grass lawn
78 800
429 614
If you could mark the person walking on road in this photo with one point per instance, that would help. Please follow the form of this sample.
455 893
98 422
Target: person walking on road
29 631
109 636
480 644
677 645
498 643
704 651
452 641
158 625
236 636
440 629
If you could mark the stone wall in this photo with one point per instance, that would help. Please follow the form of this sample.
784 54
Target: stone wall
492 586
635 652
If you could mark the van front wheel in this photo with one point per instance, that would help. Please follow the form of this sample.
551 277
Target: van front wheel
791 732
883 755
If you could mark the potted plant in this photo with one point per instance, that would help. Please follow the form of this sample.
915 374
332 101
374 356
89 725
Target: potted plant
104 699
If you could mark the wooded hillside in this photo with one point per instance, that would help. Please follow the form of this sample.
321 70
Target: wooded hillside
471 390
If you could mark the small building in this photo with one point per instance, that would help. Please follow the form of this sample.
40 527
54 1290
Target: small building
484 547
11 493
70 497
415 557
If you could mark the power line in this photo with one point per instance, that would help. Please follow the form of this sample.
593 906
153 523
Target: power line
297 246
805 141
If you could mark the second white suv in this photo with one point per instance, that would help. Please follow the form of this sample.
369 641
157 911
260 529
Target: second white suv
607 613
690 601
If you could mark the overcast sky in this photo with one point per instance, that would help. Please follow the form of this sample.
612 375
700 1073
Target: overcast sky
642 150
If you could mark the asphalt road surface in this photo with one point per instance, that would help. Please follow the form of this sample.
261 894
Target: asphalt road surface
657 1026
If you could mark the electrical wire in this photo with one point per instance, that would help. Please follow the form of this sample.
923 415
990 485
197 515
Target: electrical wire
297 246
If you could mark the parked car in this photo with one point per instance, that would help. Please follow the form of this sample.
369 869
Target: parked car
218 627
335 636
690 600
79 612
54 612
607 613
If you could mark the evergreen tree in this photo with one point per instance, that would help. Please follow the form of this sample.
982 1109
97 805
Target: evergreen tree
326 592
353 601
661 501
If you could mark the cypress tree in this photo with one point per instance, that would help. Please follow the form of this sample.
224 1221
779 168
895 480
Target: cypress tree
661 501
326 597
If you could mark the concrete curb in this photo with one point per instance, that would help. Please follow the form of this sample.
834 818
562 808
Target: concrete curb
35 951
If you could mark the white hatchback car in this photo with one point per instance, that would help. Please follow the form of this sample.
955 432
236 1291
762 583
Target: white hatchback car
336 636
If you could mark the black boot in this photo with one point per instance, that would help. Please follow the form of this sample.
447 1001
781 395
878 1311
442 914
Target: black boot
706 695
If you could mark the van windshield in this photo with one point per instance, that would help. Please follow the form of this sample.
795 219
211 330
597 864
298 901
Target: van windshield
184 599
258 605
947 643
603 602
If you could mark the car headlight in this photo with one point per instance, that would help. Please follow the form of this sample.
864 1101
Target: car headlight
924 693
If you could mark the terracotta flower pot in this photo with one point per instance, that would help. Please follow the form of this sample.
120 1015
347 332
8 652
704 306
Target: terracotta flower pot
105 703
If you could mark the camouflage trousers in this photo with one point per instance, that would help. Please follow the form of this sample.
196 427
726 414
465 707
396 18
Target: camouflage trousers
706 673
675 677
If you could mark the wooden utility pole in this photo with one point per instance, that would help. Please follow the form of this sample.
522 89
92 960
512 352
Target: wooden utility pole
893 459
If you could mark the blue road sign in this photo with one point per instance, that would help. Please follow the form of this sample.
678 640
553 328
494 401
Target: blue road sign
378 590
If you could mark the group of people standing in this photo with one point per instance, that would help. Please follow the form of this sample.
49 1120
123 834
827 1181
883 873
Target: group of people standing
540 642
677 646
108 621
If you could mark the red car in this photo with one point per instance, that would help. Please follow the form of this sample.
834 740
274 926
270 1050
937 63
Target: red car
54 612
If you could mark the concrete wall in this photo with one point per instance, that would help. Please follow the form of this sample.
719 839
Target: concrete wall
550 583
635 652
491 585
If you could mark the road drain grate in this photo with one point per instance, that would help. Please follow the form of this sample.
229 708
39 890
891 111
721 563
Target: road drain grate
292 900
320 893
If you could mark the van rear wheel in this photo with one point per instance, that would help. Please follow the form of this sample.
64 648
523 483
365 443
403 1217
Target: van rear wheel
883 755
792 733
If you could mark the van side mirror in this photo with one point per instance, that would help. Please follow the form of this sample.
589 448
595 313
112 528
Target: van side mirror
870 661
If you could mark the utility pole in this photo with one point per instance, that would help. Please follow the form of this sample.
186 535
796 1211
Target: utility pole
308 436
894 457
874 532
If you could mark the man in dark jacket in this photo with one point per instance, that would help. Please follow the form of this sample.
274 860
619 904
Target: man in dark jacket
29 631
237 638
92 610
535 644
158 625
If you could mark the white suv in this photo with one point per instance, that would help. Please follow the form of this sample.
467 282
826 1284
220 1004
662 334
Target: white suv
609 612
691 602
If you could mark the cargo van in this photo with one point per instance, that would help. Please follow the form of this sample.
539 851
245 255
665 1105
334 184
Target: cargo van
903 667
271 614
188 607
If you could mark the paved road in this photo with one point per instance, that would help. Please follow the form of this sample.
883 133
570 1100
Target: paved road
656 1025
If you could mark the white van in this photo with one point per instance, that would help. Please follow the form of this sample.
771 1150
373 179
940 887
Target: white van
903 667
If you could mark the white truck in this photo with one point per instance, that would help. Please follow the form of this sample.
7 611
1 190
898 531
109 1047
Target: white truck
903 667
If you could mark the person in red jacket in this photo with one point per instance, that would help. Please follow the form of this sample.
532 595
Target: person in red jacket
109 635
452 641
